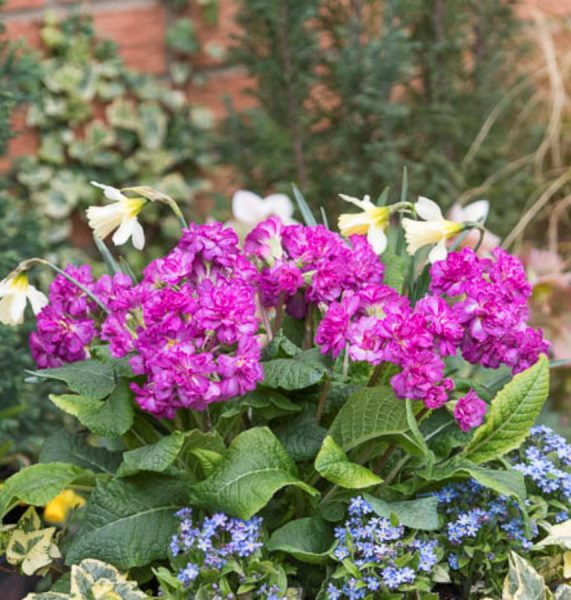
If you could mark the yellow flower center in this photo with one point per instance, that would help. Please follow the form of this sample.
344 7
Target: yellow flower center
20 283
133 206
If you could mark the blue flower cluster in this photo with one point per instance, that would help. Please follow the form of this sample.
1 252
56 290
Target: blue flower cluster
382 558
214 542
501 520
545 459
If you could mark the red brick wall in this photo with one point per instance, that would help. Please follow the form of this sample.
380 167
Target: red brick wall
138 26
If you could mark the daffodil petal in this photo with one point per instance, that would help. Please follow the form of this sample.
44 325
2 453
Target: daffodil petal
6 311
248 207
110 192
476 211
18 307
124 232
279 205
439 252
37 299
104 219
364 204
428 209
138 235
377 238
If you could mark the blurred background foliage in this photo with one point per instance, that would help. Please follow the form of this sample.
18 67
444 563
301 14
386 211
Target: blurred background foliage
471 99
349 92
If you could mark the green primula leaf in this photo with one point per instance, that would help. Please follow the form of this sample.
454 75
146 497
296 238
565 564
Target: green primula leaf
332 464
129 523
523 582
153 457
73 448
110 418
293 373
512 413
90 378
371 413
308 540
395 269
252 470
421 513
507 482
302 437
38 484
208 459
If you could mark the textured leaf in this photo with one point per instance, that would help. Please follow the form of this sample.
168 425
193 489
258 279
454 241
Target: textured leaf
90 378
421 513
309 540
523 581
332 464
292 373
302 437
395 269
253 469
153 457
512 413
67 447
371 413
506 482
129 523
38 484
110 418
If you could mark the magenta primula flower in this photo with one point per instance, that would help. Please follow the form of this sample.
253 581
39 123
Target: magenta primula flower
469 411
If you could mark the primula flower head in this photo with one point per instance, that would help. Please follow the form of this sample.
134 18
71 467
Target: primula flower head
469 411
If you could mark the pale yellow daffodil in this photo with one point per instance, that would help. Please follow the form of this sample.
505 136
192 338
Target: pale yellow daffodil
119 217
15 292
371 221
433 230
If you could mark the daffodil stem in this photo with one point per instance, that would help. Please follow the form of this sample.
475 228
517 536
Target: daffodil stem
71 279
178 213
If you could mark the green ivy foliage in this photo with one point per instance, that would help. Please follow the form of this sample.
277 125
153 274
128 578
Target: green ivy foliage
350 92
98 120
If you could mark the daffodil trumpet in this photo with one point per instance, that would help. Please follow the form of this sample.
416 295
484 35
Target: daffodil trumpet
155 196
371 221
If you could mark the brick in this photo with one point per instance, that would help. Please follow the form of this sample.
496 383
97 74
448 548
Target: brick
218 85
217 36
25 141
13 5
26 30
139 33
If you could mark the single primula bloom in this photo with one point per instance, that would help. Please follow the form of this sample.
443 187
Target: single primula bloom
56 510
249 209
475 212
434 230
119 217
15 291
371 221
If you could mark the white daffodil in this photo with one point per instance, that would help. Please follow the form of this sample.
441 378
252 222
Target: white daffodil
120 216
434 230
15 291
372 222
250 209
475 212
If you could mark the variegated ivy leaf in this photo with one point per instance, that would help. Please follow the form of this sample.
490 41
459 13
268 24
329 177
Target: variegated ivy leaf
32 550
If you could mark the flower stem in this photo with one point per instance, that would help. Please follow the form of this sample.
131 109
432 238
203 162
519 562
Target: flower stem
308 327
25 265
384 458
322 399
375 375
279 313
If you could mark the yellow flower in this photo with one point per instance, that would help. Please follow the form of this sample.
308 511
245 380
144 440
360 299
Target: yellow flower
121 217
56 510
15 291
372 222
435 229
